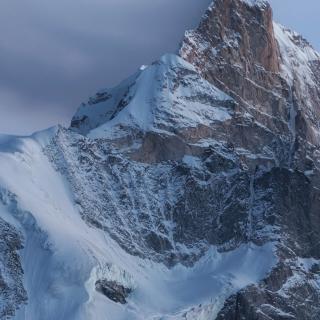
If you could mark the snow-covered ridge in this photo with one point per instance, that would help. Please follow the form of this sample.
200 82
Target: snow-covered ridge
167 95
260 3
296 55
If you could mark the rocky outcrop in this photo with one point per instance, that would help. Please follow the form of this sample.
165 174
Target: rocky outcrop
113 290
235 48
281 297
12 292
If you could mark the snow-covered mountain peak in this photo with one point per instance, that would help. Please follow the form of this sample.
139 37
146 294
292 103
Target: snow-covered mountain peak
189 191
165 96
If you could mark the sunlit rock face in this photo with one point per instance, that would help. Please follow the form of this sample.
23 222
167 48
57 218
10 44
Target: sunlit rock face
272 73
189 191
235 48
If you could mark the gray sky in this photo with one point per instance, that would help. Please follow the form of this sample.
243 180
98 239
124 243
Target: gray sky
54 54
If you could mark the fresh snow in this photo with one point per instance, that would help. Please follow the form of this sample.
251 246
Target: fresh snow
296 57
166 95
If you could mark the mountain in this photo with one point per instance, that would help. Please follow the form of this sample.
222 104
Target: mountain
189 191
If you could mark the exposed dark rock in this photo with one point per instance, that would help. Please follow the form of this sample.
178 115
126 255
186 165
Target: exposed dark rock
12 292
113 290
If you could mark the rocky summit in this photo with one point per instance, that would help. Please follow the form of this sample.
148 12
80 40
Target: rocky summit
189 191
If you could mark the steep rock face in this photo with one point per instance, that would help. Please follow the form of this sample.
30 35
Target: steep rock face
271 72
234 47
274 77
12 292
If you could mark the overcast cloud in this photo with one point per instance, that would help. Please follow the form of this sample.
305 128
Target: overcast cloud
54 54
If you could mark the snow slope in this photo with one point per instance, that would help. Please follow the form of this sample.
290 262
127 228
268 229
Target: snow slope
154 99
63 257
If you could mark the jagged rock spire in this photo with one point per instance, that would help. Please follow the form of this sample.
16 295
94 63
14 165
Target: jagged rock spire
234 32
